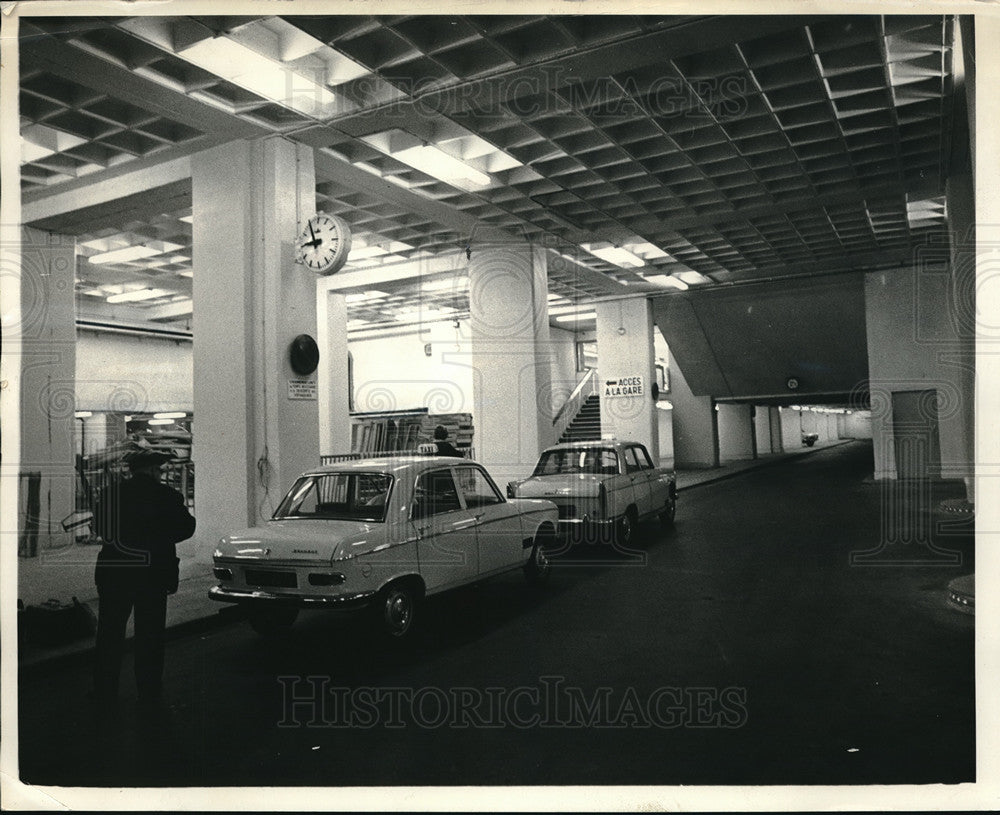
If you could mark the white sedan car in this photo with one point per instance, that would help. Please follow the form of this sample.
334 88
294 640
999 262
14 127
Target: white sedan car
384 534
602 489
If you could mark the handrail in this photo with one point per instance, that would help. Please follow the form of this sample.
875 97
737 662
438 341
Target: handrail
584 389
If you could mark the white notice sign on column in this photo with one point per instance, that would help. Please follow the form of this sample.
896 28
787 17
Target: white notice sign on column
623 386
301 388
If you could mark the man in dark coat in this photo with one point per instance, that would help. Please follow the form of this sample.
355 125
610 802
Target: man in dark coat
140 520
444 447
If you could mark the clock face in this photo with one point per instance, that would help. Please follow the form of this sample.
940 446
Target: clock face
324 243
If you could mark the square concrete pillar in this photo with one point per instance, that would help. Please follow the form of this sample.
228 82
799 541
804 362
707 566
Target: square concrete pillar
735 433
626 363
333 398
47 351
511 357
255 428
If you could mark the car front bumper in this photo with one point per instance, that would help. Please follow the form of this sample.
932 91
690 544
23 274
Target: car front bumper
260 596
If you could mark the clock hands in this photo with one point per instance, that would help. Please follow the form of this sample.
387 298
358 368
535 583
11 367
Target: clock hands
315 241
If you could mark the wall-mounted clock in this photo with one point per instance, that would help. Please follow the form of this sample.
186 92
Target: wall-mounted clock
324 244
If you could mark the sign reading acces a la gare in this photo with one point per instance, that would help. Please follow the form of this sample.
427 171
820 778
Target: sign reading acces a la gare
624 386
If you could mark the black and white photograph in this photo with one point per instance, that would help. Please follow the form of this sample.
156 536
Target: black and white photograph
551 406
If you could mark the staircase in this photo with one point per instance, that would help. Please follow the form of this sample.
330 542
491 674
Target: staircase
586 425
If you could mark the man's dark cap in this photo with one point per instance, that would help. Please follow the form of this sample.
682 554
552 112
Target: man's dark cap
139 459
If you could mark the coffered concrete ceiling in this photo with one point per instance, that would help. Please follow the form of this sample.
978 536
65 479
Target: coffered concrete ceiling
716 150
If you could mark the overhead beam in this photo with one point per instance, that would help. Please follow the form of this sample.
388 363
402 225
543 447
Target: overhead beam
138 206
107 191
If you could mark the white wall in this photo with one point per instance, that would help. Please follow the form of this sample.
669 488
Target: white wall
911 324
695 428
856 425
735 439
395 373
122 372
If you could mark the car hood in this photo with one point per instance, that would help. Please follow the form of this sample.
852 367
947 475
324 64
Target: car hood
554 486
303 539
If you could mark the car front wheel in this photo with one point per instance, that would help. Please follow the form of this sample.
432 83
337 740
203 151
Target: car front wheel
537 569
669 512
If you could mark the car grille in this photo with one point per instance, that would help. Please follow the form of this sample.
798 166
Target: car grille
274 579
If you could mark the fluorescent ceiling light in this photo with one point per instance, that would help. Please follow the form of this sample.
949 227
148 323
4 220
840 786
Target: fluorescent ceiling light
458 161
446 284
186 273
668 281
429 159
646 250
692 278
572 318
426 315
617 255
245 67
124 255
160 421
83 414
138 295
363 296
170 415
188 219
366 252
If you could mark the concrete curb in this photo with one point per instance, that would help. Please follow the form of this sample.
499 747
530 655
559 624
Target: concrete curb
74 653
762 463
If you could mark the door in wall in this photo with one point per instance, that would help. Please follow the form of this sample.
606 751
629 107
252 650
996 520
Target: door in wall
915 434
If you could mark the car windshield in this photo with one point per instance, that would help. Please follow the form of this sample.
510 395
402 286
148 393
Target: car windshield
596 461
338 497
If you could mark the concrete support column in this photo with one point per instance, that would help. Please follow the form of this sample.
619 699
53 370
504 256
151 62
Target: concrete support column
774 420
47 327
254 431
334 398
696 427
791 429
762 430
735 433
962 221
624 357
511 357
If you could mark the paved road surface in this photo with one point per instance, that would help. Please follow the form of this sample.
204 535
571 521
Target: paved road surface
741 647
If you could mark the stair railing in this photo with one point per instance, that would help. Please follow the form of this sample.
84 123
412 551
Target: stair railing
584 389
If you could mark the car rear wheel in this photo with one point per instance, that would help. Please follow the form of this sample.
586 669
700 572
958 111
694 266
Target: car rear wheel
396 610
269 622
625 529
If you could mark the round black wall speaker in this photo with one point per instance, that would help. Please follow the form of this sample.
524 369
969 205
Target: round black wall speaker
303 355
